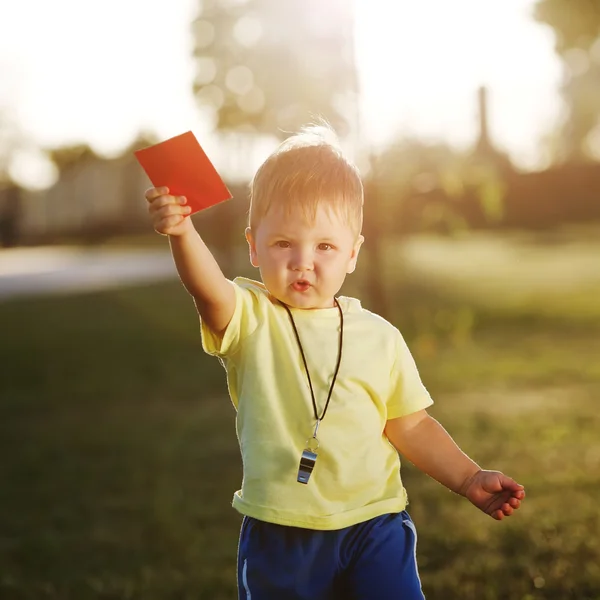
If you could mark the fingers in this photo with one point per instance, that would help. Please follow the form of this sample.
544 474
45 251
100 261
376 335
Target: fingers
514 502
496 494
494 482
168 212
168 217
168 224
162 208
154 192
520 494
164 205
507 509
160 200
508 483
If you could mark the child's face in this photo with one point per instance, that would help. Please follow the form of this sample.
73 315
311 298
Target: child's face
303 264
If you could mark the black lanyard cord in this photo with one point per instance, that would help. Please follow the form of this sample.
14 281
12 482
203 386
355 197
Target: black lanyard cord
337 366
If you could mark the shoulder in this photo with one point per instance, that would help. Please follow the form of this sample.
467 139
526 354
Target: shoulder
353 308
252 302
251 286
252 289
253 296
373 330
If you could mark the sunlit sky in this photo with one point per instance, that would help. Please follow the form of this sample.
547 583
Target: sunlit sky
99 71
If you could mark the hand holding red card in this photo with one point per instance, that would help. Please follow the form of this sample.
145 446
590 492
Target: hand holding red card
180 164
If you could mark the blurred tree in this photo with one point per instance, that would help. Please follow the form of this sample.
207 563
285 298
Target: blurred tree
66 156
269 66
408 173
10 194
432 178
9 141
10 214
576 24
414 186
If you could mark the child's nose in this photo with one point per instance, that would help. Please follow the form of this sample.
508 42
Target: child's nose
302 260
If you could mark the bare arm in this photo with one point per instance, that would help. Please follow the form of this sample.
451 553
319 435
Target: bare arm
200 273
423 441
203 279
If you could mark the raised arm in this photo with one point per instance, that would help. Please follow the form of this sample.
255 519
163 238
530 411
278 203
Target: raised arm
423 441
200 273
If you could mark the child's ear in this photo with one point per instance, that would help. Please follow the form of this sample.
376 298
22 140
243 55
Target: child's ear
251 246
354 255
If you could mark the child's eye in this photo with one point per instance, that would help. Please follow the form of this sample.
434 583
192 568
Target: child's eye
325 246
282 244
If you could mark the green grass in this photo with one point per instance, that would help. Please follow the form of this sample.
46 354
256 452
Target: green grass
520 275
119 457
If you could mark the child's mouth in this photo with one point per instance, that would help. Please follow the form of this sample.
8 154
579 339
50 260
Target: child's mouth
300 286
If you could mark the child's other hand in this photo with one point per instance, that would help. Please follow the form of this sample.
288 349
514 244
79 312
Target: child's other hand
494 493
170 214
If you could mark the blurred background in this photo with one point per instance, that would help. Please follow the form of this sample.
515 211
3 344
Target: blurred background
476 126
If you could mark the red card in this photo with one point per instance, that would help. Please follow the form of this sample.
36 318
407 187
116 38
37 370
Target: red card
180 164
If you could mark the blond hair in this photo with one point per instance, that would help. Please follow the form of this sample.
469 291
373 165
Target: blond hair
307 170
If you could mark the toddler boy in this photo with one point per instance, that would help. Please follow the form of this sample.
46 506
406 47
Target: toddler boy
327 393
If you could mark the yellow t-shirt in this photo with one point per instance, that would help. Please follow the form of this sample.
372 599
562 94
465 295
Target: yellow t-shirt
357 473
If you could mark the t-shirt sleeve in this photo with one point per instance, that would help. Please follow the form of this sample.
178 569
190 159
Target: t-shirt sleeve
408 394
243 323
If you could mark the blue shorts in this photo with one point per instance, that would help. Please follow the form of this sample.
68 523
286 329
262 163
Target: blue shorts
374 560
